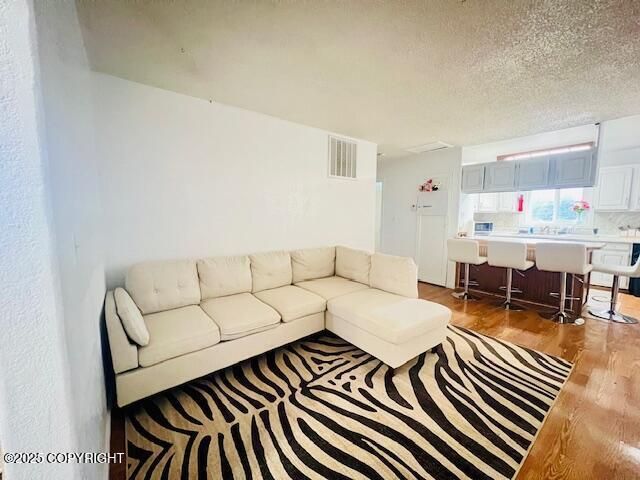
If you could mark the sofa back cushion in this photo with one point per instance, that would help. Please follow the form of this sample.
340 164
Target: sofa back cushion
312 263
270 270
393 274
353 264
163 285
222 276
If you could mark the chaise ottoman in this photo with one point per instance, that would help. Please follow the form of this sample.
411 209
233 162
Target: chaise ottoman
390 327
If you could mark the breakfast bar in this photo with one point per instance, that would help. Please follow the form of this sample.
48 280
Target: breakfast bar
535 285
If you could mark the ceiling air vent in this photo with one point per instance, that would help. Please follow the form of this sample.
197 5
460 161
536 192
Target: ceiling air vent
342 158
429 147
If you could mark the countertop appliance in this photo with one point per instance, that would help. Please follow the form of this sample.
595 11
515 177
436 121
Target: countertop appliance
482 228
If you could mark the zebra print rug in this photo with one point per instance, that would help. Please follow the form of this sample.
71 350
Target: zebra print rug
321 408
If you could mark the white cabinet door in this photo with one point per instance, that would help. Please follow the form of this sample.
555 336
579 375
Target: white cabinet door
573 169
612 254
635 189
500 176
507 201
432 250
533 174
472 178
488 202
614 188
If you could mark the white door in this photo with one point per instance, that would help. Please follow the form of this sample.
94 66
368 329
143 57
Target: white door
472 178
573 170
487 202
614 188
432 249
612 254
500 177
533 174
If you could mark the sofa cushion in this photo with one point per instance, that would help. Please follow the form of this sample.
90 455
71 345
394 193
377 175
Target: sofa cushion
270 270
131 318
163 285
394 274
221 276
332 287
176 332
312 263
292 302
390 317
353 264
240 315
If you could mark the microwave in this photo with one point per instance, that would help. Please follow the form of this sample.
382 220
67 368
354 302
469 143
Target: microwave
482 228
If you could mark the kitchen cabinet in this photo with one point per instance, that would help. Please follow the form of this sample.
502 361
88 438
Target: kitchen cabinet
635 189
487 202
500 176
573 169
507 201
618 254
496 202
472 178
614 188
533 174
564 170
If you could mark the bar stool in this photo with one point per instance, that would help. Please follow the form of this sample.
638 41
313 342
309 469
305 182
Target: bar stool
512 256
563 258
611 314
467 252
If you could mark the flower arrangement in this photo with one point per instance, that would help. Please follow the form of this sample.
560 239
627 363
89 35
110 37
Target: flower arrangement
580 207
429 186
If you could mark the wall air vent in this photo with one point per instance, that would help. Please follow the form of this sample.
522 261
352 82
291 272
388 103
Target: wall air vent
429 147
342 158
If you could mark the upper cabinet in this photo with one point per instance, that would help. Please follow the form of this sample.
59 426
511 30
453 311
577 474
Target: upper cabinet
533 174
500 177
573 169
473 178
565 170
614 188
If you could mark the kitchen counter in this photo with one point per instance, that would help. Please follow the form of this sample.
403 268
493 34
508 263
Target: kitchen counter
534 284
565 237
531 241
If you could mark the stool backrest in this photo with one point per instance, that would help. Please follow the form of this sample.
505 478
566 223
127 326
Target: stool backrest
507 254
562 257
636 269
463 250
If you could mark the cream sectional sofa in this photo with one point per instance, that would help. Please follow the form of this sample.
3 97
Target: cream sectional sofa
179 320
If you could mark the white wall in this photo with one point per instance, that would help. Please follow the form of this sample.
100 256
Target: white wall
182 177
401 178
68 121
36 413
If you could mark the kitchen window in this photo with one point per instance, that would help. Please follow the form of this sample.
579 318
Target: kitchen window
555 207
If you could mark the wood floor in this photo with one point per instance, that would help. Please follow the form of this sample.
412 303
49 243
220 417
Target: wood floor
593 431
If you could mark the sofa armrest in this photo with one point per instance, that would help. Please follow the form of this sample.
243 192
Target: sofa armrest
393 274
124 354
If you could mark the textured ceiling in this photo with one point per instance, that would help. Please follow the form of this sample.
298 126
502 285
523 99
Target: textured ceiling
399 73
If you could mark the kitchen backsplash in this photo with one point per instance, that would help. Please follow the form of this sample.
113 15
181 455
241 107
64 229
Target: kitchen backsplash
606 222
